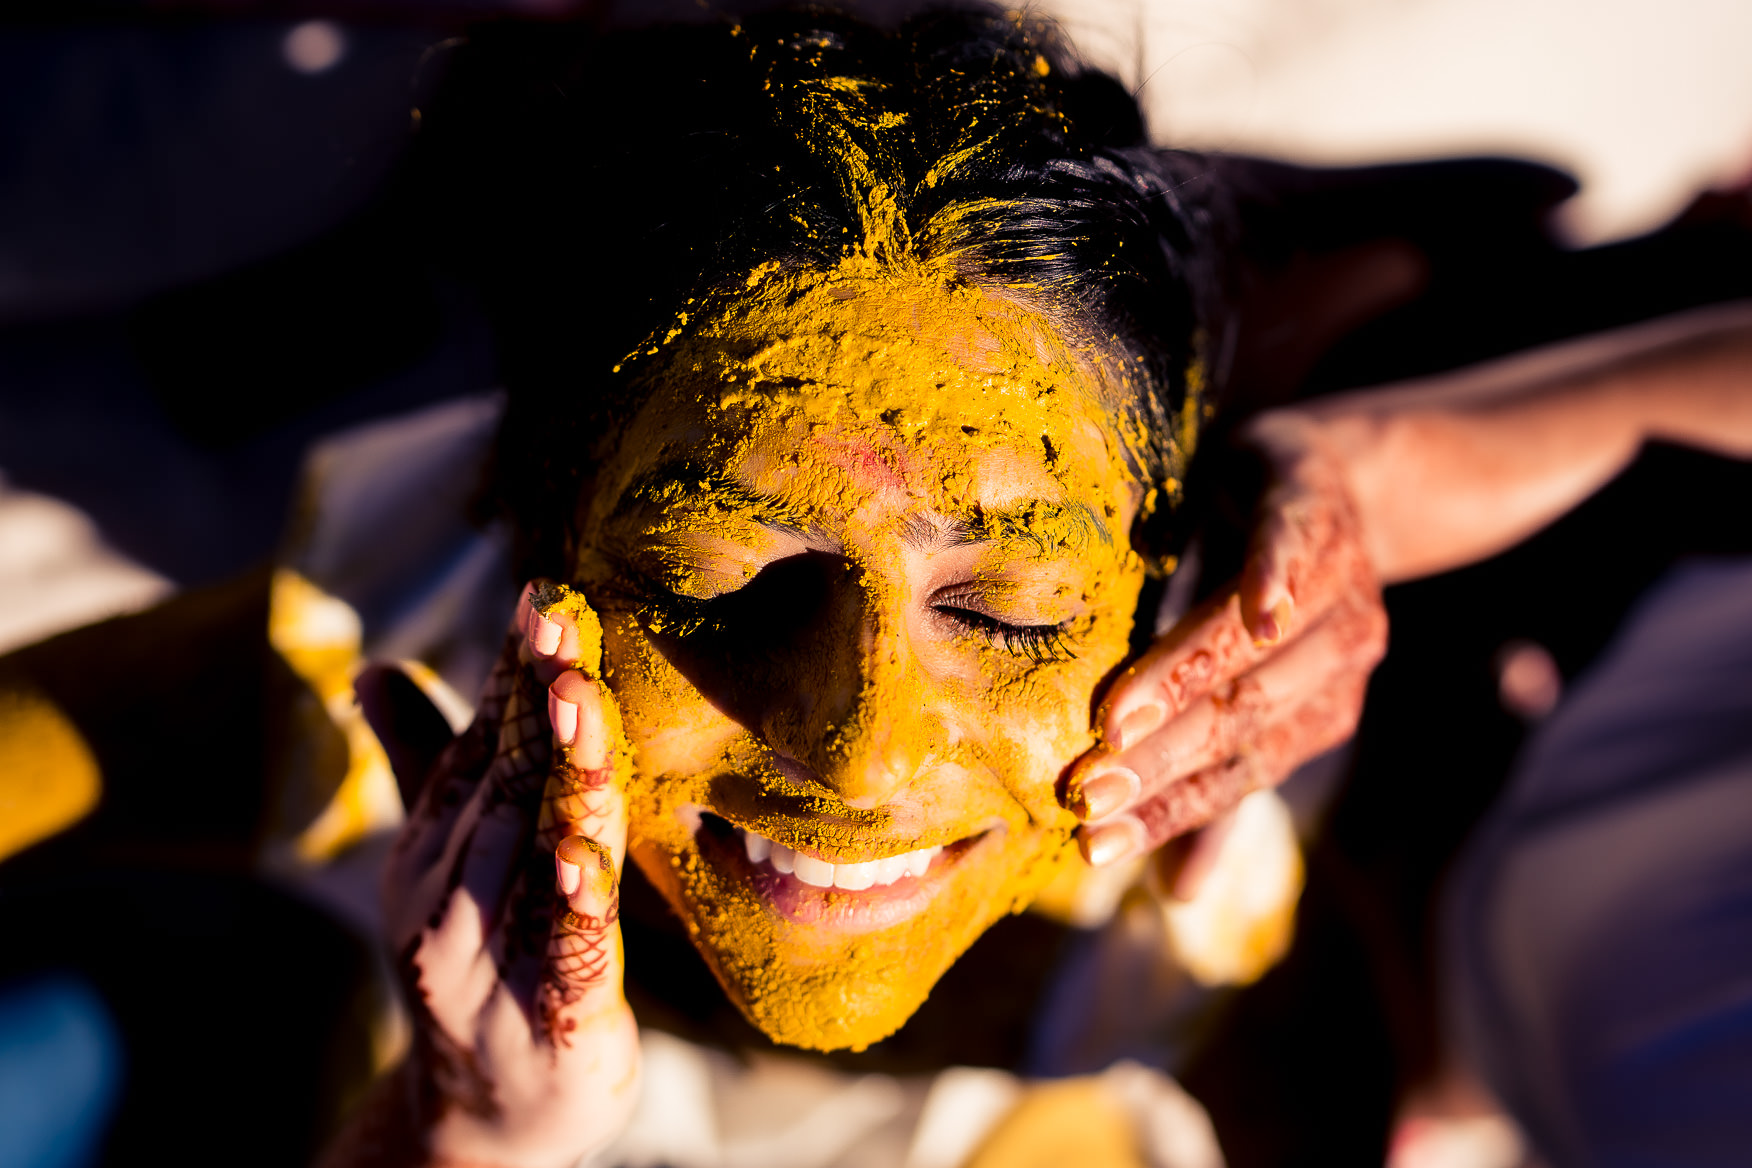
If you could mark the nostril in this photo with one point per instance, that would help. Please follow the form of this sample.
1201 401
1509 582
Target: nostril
797 773
716 826
864 797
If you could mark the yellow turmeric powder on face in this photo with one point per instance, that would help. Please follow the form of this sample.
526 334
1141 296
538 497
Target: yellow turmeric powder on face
861 559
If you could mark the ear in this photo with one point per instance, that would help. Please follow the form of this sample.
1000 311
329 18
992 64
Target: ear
412 730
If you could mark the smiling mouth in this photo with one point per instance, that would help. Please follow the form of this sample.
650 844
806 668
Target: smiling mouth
815 892
850 877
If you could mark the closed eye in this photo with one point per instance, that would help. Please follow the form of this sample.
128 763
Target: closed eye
777 603
1038 643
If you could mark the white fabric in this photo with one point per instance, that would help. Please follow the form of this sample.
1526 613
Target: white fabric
381 523
57 572
701 1108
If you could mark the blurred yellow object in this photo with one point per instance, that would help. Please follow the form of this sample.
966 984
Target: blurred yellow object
1072 1121
1244 916
1086 897
334 780
49 779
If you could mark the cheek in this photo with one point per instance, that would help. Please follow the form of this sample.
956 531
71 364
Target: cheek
670 725
1041 720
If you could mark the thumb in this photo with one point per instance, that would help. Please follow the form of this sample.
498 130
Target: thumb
1265 593
411 729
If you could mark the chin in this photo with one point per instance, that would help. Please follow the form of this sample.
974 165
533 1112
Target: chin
824 967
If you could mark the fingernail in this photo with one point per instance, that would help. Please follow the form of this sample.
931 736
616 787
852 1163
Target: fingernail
599 896
547 636
1113 842
1139 723
563 716
1273 624
569 875
1101 795
595 892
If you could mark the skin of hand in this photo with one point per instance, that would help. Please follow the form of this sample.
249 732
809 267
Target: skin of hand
1371 489
1264 675
502 900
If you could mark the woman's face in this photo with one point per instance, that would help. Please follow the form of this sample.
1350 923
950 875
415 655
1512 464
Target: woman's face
861 560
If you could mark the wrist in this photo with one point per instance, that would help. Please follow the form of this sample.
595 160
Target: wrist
1348 453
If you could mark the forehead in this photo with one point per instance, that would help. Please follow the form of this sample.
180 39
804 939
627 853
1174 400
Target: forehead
907 384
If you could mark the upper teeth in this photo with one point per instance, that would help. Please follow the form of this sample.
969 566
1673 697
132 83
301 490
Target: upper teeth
820 873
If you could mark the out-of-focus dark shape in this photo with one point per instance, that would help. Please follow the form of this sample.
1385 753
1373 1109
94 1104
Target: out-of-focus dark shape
139 156
1599 950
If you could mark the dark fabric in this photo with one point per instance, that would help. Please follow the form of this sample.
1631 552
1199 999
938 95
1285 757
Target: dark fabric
1601 934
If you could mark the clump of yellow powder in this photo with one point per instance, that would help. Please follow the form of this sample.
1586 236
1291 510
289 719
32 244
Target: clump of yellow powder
558 598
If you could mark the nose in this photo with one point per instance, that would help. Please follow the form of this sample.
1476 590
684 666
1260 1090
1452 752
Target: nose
877 748
863 721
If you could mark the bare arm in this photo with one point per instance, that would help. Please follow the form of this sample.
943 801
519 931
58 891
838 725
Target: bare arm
1375 488
1450 471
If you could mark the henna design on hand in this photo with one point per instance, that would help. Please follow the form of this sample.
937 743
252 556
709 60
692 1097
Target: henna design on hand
580 947
448 1073
573 795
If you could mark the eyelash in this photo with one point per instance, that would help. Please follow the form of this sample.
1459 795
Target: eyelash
1039 643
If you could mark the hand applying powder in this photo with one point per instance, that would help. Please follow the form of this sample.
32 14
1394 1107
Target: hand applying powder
525 1052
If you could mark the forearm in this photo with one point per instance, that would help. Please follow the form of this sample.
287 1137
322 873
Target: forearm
1450 471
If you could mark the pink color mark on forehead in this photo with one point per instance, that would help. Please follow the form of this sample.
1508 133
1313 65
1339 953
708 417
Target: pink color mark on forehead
868 465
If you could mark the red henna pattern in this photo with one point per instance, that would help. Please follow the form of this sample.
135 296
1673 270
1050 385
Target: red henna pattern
525 747
465 760
579 954
1195 800
573 795
450 1075
1189 676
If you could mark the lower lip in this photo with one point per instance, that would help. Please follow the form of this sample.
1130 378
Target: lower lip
837 909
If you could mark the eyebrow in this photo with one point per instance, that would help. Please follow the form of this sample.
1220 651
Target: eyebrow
922 530
678 480
929 532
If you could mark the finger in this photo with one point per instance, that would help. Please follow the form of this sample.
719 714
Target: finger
550 634
1301 701
449 968
563 631
1265 594
480 857
411 729
583 973
492 826
1305 547
1227 720
1180 866
1317 724
1194 657
460 769
588 880
585 793
1182 807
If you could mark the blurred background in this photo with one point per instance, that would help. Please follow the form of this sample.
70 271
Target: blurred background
203 272
196 280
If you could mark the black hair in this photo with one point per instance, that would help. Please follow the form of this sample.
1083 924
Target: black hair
593 183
